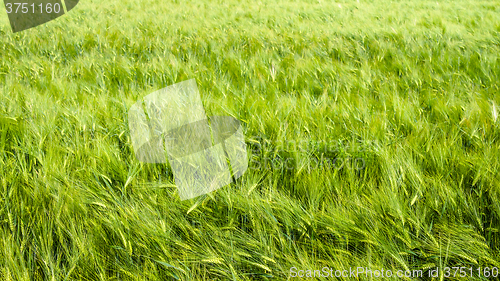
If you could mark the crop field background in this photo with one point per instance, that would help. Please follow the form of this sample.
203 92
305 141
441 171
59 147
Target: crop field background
403 96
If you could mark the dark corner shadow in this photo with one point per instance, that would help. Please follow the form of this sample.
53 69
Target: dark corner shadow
31 13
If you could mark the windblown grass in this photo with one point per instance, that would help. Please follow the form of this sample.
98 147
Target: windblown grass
409 87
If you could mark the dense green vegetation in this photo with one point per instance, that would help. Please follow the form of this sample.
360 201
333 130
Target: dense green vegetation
409 87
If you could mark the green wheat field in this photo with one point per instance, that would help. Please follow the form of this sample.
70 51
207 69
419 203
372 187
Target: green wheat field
401 97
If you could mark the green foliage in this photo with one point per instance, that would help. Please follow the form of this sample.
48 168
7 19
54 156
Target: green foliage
409 87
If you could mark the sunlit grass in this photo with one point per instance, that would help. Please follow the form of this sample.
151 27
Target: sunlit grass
409 87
